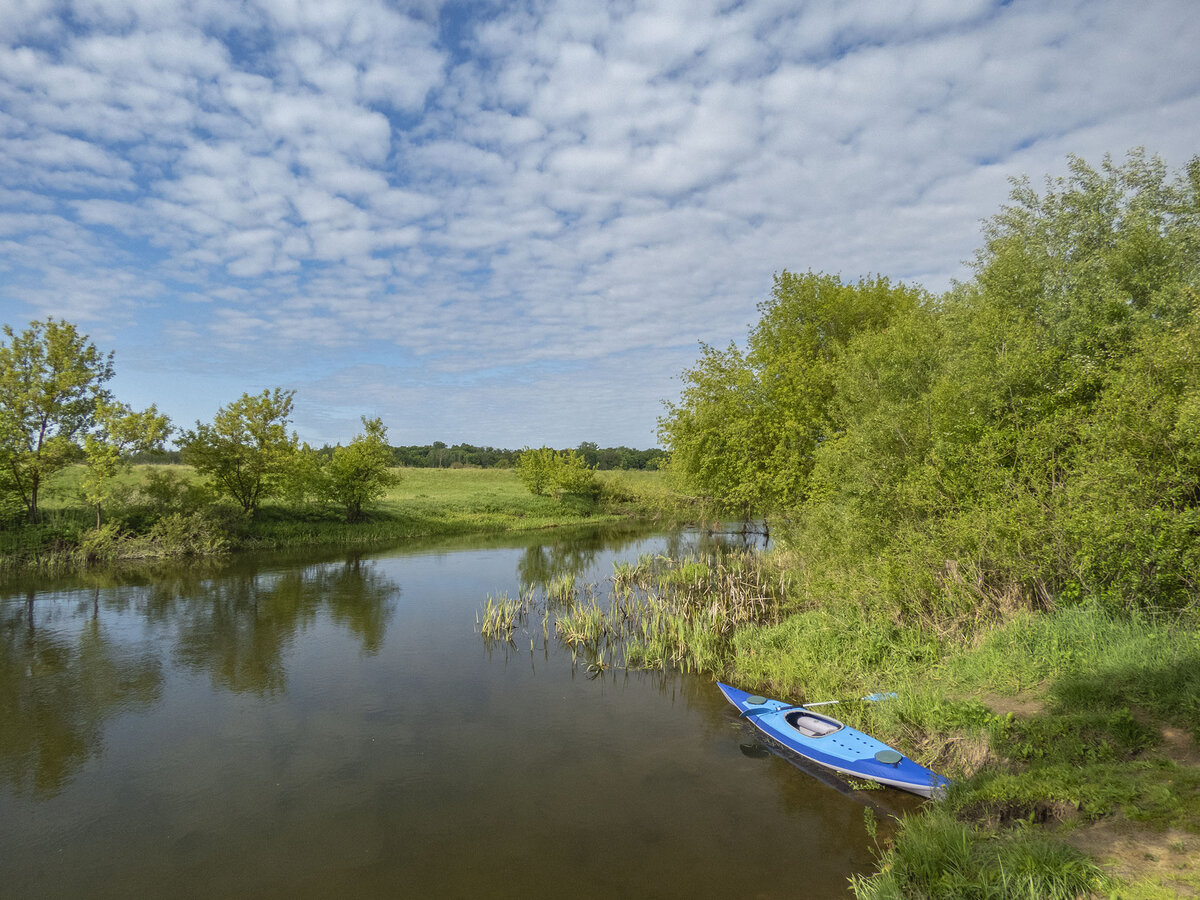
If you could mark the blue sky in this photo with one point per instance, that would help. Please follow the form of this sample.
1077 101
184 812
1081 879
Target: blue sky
511 223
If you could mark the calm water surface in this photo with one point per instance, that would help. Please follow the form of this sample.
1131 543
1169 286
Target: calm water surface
334 725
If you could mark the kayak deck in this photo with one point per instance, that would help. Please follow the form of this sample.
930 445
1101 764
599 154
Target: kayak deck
833 744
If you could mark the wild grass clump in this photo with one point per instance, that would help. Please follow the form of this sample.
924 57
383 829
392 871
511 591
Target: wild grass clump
500 617
939 858
561 590
665 612
665 640
585 623
684 613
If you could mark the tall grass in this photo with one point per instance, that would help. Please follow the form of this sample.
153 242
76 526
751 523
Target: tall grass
664 612
585 623
684 613
939 858
500 617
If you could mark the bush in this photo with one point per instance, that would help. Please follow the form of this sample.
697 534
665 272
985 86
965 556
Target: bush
535 468
101 543
192 534
566 473
168 490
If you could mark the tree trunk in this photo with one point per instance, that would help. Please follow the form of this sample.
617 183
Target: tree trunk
33 498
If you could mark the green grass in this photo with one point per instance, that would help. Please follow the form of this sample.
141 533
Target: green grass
938 857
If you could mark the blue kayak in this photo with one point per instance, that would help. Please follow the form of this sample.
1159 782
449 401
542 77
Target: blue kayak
833 744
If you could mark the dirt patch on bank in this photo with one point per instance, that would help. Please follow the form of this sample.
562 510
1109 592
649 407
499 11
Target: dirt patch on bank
1179 747
1021 705
1169 859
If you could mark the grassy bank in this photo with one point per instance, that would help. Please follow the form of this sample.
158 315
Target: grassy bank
1066 729
164 511
1071 731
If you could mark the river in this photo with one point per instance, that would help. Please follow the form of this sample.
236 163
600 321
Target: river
333 724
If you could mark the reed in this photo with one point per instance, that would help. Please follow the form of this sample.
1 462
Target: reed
584 623
661 612
561 591
500 617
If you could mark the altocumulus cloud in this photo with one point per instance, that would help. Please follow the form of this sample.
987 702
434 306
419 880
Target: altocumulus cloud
510 223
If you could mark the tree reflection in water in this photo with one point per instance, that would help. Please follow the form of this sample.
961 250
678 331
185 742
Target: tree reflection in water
57 688
60 682
238 629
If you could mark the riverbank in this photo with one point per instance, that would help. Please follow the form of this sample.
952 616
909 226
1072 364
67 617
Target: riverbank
1071 731
163 512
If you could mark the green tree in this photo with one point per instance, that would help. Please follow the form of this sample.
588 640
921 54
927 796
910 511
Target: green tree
360 473
748 424
51 378
1133 516
571 474
716 433
119 432
535 468
247 450
1031 435
590 452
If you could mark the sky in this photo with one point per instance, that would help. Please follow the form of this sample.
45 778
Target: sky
511 223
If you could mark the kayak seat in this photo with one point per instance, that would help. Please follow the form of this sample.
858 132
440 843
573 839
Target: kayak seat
811 726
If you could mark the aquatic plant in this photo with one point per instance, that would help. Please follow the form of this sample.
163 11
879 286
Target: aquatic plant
584 623
562 589
500 617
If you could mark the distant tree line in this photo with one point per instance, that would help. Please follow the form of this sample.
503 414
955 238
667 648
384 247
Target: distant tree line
440 456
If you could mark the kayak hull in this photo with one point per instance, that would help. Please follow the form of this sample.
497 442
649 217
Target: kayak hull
840 748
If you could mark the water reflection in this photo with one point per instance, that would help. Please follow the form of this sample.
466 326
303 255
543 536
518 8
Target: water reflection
57 688
238 629
567 553
284 726
70 661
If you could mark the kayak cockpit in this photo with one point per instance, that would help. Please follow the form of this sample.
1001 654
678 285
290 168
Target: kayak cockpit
812 726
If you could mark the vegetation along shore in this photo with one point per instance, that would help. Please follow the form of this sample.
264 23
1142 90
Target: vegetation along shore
168 512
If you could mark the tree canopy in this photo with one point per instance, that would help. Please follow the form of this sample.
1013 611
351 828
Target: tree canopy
119 433
51 378
359 473
747 424
247 450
